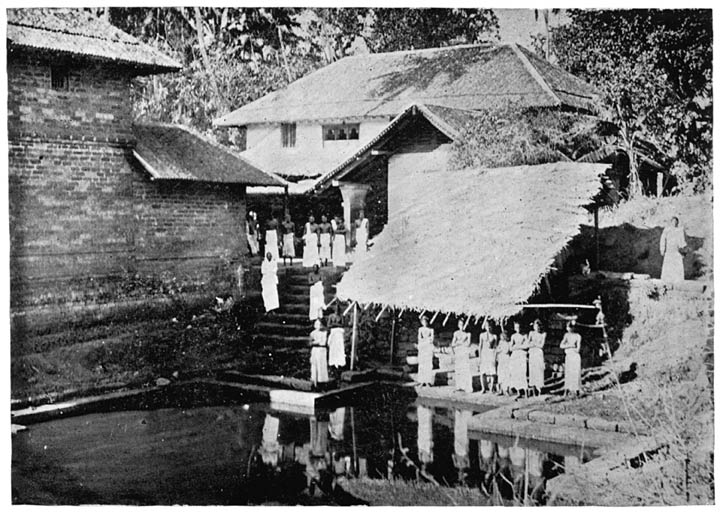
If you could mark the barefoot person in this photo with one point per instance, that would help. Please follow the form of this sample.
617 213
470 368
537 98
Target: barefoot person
461 347
536 357
336 343
310 237
317 294
571 344
338 243
503 363
672 243
362 228
488 358
326 231
269 283
425 346
518 361
318 354
288 245
271 238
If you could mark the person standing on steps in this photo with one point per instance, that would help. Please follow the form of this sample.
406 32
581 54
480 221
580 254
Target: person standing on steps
536 357
318 354
573 366
426 349
310 237
336 344
672 246
269 283
317 294
288 245
338 244
362 232
326 232
271 238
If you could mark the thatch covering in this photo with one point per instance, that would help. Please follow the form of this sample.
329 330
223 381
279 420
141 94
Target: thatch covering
469 77
77 32
476 242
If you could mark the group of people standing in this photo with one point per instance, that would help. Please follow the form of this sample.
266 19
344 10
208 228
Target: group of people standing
323 242
509 363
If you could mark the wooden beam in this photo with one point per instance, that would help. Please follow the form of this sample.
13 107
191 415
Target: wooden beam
558 306
447 315
434 316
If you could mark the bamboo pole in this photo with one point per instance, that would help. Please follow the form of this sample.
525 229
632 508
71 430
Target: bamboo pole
392 338
447 315
401 314
354 337
367 306
348 308
381 312
434 316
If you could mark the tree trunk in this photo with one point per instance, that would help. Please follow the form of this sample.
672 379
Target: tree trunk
206 60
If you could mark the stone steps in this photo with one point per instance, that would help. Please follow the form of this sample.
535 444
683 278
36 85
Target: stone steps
269 327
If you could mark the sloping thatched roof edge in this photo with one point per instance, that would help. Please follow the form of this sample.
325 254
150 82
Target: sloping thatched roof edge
493 256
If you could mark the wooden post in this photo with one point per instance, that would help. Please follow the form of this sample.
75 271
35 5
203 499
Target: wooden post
354 337
392 337
597 238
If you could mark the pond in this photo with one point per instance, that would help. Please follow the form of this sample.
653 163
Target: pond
196 449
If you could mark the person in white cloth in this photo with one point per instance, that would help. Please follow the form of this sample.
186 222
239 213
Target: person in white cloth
271 238
518 361
536 358
310 251
338 244
362 228
325 231
336 343
573 366
318 354
426 350
269 283
461 348
317 294
488 358
288 245
672 245
251 232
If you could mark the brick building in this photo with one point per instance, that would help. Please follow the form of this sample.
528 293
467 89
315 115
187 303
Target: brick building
101 208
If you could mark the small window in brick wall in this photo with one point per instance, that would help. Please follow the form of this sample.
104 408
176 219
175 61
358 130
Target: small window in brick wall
287 134
59 78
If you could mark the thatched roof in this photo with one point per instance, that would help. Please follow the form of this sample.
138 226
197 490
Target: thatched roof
469 77
478 242
77 32
173 152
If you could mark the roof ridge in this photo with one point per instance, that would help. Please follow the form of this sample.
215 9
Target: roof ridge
534 73
127 40
488 46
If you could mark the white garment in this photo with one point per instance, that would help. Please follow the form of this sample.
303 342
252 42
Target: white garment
310 252
573 365
426 346
288 245
271 244
425 434
338 250
536 359
487 354
461 440
518 362
269 284
317 300
318 357
336 347
270 447
461 347
252 239
671 241
503 364
325 252
361 235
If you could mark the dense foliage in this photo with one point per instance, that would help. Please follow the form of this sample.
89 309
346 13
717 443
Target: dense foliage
654 70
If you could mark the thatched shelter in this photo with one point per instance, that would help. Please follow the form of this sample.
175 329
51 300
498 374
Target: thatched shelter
475 242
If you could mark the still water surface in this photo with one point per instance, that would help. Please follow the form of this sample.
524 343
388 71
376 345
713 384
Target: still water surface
234 453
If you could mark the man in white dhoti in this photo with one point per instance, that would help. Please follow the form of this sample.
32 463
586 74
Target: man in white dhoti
269 283
672 245
338 244
362 228
288 245
310 251
573 365
318 354
326 232
336 345
317 294
271 239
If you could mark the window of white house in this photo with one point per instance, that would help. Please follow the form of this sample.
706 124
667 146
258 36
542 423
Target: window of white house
287 134
346 131
59 78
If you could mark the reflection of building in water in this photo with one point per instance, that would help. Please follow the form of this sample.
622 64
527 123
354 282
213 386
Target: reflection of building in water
461 457
425 434
270 447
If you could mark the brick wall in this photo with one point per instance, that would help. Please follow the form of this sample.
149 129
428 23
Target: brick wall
86 222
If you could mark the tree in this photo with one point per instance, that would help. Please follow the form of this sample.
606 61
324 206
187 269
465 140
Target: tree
407 29
653 68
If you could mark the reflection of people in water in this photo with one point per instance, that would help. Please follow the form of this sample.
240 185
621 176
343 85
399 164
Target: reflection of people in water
270 448
517 459
425 436
535 463
486 460
461 458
